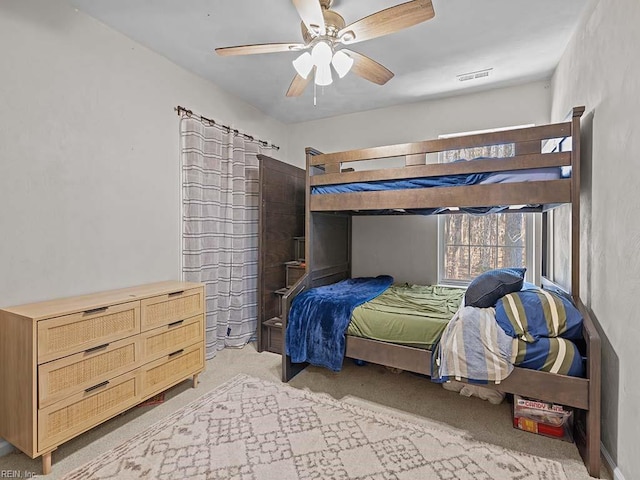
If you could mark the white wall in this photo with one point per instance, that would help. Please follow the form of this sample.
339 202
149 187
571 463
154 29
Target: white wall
405 247
600 69
89 153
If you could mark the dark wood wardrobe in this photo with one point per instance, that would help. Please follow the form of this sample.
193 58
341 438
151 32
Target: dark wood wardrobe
282 207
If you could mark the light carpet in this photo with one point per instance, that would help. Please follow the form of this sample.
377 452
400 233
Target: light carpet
253 429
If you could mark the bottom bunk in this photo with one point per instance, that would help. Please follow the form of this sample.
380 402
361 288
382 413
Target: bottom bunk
580 390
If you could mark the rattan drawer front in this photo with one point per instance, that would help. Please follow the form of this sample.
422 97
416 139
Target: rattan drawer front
165 309
72 374
162 341
80 412
167 371
62 336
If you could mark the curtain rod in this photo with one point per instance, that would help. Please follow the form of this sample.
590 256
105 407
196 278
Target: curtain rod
185 112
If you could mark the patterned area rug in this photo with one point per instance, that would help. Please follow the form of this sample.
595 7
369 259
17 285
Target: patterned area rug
251 429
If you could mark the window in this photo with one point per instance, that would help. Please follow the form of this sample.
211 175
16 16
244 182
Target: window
471 244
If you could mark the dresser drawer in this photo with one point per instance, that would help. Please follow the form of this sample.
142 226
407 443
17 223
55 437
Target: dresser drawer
166 309
82 411
162 341
170 369
60 378
62 336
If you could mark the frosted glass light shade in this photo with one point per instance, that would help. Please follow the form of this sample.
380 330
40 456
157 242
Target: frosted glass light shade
342 63
303 64
321 54
323 75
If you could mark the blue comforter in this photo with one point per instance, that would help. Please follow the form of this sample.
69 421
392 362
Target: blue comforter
319 318
509 176
404 184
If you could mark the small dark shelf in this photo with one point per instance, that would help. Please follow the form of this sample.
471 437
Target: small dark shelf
273 334
294 273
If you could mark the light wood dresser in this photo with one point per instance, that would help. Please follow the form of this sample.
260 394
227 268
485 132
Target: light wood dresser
68 365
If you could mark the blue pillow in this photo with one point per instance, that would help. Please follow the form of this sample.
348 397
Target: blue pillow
555 355
533 314
487 288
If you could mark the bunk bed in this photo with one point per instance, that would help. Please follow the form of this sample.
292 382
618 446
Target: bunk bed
328 240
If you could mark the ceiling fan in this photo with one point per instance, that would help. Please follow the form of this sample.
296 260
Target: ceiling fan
325 35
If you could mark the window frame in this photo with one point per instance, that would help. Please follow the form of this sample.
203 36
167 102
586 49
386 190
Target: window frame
529 240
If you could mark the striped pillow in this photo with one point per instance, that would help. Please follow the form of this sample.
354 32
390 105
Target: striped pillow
555 355
533 314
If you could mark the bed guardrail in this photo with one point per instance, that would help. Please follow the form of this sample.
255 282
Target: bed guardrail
528 143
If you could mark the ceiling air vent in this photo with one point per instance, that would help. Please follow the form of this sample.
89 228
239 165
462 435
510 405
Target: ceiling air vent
463 77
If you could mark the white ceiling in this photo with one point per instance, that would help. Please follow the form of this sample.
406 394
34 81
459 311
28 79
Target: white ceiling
521 40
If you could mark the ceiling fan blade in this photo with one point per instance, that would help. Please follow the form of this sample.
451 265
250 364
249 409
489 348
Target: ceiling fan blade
310 12
369 69
298 85
388 21
259 48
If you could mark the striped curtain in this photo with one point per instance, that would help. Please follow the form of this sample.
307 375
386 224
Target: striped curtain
220 228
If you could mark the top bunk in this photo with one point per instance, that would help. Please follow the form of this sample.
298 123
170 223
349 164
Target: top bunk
542 173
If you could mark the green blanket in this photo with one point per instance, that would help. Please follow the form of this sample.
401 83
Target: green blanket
407 314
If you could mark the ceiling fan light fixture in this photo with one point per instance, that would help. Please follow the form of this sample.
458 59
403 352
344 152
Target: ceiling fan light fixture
342 63
323 75
321 54
303 65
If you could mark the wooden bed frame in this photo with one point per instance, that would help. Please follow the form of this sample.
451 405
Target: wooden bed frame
328 246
